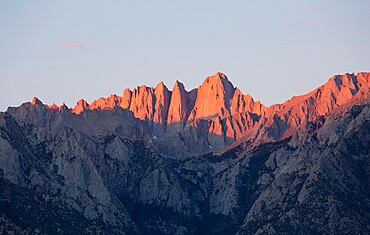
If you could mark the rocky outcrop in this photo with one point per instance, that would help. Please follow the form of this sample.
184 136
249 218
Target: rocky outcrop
214 98
106 103
126 101
181 104
81 107
244 103
162 103
142 103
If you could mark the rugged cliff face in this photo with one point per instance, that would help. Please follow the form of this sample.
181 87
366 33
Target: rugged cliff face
145 162
198 121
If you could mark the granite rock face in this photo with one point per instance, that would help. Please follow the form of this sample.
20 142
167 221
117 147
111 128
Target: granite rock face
179 114
217 114
148 162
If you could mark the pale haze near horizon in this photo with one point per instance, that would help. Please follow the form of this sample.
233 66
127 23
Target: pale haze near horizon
62 51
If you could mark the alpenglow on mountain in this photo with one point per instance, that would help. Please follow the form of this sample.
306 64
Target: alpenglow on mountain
207 161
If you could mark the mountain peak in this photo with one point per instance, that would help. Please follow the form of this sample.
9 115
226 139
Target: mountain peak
217 78
53 106
221 75
80 107
213 97
161 87
36 101
178 86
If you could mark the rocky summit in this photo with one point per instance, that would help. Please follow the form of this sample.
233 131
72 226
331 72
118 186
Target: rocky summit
207 161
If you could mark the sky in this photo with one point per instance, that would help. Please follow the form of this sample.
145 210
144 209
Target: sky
62 51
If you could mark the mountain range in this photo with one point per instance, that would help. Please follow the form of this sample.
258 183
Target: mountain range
207 161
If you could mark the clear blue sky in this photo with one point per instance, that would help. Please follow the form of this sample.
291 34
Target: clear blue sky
66 50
